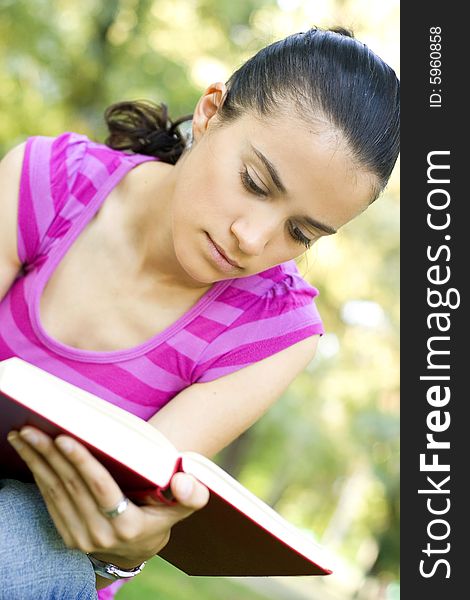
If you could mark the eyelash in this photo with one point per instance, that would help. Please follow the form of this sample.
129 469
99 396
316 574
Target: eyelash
251 186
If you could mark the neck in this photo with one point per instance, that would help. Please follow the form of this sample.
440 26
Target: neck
139 228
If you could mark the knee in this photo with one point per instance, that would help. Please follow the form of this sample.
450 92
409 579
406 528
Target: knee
34 562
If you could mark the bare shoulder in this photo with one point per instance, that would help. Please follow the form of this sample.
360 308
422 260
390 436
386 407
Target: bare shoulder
10 172
144 177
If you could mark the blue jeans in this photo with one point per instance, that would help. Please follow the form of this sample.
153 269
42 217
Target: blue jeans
35 564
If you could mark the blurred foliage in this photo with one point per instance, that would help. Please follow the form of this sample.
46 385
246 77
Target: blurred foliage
165 582
327 454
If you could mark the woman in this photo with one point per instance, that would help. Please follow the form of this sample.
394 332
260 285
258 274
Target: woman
146 280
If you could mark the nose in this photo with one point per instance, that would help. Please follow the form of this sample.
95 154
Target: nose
253 234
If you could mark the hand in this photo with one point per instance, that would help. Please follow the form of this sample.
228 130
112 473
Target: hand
75 485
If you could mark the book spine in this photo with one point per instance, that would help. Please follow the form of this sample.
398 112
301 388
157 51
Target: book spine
150 496
163 495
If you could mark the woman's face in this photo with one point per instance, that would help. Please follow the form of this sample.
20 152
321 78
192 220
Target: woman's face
260 192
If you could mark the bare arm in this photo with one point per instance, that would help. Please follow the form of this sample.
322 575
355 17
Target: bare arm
206 417
10 170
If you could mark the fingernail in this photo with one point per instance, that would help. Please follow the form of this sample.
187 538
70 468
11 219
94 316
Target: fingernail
185 488
65 444
15 441
30 436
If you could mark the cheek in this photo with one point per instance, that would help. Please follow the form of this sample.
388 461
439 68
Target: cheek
208 197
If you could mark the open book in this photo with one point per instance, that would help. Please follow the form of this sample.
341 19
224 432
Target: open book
235 534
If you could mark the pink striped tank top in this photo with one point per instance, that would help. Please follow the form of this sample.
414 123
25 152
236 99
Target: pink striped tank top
237 322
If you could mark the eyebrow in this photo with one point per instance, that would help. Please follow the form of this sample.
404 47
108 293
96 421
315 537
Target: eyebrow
322 226
281 188
271 170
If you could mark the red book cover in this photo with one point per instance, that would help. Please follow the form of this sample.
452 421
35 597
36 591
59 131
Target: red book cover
235 534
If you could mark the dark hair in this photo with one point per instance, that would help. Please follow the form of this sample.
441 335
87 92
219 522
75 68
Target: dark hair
318 72
145 128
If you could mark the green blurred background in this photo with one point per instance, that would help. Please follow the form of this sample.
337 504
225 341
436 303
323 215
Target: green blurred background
326 456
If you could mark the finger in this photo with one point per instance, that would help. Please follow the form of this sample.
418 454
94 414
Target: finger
61 466
80 510
68 498
58 503
60 523
189 492
106 494
32 458
99 481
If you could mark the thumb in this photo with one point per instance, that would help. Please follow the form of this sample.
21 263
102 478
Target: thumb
189 492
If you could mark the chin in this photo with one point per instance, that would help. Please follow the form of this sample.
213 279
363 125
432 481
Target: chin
197 271
200 280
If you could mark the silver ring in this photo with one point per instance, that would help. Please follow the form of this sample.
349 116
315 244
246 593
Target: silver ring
117 510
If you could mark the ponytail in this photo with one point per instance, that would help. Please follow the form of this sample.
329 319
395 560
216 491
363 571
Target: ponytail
145 128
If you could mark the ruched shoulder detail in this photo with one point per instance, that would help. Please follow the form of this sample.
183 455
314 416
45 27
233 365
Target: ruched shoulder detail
272 311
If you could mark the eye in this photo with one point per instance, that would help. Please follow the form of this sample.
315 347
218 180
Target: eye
299 237
295 233
250 185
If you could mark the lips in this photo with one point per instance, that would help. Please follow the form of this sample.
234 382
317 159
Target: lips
224 254
232 262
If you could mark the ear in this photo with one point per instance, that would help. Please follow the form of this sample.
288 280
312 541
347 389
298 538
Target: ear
207 107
